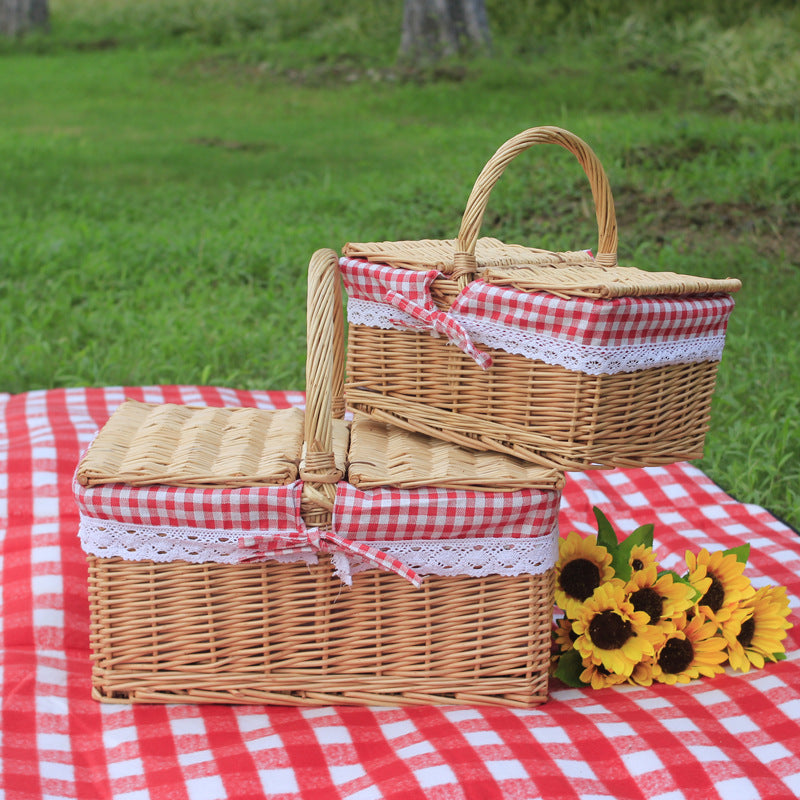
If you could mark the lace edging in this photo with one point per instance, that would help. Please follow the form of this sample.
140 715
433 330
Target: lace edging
590 359
464 557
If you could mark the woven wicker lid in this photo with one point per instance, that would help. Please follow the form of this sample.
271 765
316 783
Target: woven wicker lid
384 455
424 254
567 274
177 445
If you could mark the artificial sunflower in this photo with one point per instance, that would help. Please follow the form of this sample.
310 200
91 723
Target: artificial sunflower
694 649
729 585
582 566
642 674
563 635
598 677
661 596
762 630
610 630
641 557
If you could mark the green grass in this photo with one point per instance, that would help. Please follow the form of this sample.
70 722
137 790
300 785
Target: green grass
164 183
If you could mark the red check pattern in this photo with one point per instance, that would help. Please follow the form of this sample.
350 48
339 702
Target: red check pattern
431 513
736 736
367 281
408 291
252 508
603 323
616 322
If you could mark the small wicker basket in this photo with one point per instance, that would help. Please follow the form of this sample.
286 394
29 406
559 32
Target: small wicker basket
538 400
166 630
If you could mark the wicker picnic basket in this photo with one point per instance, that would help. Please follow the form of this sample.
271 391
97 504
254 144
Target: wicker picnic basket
591 364
282 628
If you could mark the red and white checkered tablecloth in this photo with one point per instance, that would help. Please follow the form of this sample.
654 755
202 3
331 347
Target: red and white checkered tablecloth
735 736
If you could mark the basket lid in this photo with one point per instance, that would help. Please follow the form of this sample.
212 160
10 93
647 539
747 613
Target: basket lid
527 269
425 254
176 445
385 455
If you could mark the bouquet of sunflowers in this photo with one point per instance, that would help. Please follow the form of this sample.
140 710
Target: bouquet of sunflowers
626 620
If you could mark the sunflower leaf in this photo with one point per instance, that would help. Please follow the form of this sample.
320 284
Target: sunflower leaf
742 552
696 594
781 656
643 535
620 563
621 557
569 669
606 536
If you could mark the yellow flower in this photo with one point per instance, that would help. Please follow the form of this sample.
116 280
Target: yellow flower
762 629
642 674
641 558
563 635
598 677
582 566
610 631
694 649
660 596
729 585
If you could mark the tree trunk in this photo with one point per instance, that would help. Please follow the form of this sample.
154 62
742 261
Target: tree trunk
20 16
434 29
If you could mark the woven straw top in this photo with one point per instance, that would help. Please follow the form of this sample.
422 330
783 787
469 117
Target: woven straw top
568 274
427 254
384 455
179 445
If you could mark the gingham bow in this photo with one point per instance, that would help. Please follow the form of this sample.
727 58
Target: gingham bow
440 322
315 540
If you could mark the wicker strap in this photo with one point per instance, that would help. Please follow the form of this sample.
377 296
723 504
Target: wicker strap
464 262
324 383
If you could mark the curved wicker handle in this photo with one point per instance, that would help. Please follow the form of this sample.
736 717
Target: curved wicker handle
464 261
324 376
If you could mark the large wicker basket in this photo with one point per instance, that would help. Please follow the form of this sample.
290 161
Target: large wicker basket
291 633
537 400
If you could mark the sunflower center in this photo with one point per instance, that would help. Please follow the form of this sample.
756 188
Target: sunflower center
715 595
637 564
649 600
745 637
609 631
579 578
676 655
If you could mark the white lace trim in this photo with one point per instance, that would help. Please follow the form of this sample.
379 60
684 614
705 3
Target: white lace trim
466 557
590 359
593 359
160 543
379 315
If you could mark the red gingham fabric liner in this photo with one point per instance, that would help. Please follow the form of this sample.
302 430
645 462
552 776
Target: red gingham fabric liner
248 508
735 737
443 513
409 292
609 322
368 281
615 322
379 514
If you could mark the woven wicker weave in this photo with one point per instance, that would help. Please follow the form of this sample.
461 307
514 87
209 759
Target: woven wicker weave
542 413
384 455
291 634
181 446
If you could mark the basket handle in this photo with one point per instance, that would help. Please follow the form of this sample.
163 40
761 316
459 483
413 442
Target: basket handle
324 377
465 264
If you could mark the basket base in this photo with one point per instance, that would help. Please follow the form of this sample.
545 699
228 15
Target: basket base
290 634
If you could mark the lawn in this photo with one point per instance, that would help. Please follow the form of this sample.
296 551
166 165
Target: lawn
166 179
